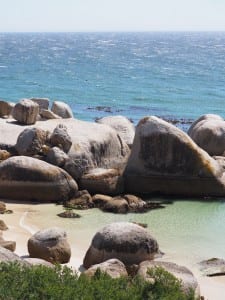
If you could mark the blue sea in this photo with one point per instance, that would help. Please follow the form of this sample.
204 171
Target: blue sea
177 76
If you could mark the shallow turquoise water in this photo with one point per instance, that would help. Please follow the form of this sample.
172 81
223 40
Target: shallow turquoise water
187 231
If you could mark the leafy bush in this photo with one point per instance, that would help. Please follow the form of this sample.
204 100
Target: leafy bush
39 282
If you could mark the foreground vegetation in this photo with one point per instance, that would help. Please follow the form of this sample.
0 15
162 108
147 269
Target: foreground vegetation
40 282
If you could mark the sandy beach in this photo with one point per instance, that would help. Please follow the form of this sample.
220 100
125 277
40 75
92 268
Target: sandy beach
21 227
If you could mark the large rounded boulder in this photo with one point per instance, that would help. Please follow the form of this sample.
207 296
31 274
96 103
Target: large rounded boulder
183 274
209 134
122 125
50 244
27 178
166 160
128 242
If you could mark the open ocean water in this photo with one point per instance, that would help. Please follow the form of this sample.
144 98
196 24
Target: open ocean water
173 75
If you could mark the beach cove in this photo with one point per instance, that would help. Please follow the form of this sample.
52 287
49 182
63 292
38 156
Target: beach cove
183 230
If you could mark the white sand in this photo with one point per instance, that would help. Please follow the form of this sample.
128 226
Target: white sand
21 228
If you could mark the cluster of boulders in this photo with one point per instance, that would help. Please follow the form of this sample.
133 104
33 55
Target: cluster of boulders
109 157
58 154
118 204
118 249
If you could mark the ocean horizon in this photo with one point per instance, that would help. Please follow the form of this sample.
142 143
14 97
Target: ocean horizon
174 75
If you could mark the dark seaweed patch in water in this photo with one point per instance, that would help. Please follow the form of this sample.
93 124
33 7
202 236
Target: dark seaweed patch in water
107 109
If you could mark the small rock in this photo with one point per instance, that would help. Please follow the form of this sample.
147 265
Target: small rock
3 226
213 267
82 200
103 181
50 244
26 112
9 245
144 225
62 109
2 207
42 102
5 108
135 203
57 157
68 214
4 154
116 205
113 267
31 141
100 200
61 138
48 114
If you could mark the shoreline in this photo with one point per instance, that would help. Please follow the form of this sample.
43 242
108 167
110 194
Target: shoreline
21 228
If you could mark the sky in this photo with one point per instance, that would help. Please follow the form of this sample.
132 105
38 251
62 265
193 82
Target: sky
111 15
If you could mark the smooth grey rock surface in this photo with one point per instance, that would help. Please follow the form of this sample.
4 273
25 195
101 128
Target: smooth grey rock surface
128 242
50 244
203 118
103 181
113 267
42 102
48 114
209 134
62 109
27 178
122 125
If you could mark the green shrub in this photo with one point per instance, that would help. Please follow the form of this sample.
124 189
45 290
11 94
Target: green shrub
39 283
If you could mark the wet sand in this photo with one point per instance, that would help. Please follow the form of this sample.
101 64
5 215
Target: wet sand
22 226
